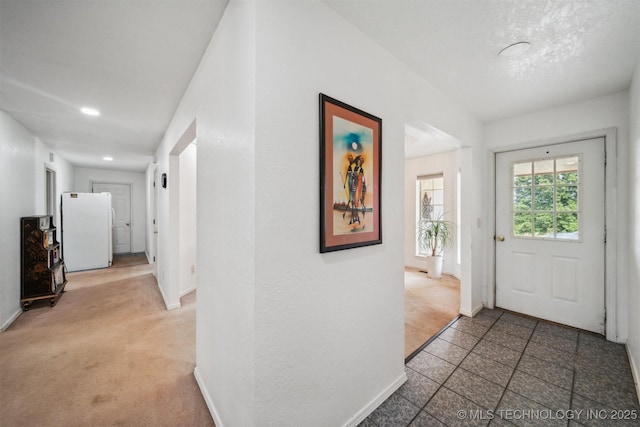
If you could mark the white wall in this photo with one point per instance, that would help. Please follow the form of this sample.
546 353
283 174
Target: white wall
596 114
188 218
329 327
65 173
222 97
23 159
281 327
447 164
633 230
85 176
17 170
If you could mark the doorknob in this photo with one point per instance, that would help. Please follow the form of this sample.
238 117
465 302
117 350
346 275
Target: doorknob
127 224
500 238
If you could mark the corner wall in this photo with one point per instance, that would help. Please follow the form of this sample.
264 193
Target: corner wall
17 169
633 343
329 327
281 327
221 96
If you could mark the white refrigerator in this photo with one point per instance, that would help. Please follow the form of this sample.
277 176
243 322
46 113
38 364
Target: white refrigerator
87 236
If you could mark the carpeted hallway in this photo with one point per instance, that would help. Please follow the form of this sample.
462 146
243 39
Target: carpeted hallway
109 353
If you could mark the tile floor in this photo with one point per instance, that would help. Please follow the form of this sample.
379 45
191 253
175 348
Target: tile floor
501 369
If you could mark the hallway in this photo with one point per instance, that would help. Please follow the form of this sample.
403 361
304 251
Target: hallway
109 353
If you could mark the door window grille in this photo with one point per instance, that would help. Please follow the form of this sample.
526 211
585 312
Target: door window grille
546 199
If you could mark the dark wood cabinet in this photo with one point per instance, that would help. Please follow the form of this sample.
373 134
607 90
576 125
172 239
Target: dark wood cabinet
42 267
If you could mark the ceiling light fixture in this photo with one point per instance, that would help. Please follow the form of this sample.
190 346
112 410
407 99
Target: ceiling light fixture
107 158
514 49
90 111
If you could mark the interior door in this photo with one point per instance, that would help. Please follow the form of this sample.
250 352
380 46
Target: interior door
121 204
550 233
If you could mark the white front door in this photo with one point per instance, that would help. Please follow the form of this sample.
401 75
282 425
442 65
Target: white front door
550 226
121 204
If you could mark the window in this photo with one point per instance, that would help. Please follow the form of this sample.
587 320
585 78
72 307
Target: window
429 202
546 199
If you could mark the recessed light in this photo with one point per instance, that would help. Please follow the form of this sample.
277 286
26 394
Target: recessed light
107 158
90 111
514 49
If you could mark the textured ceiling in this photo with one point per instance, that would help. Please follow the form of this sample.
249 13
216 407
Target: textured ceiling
134 59
579 49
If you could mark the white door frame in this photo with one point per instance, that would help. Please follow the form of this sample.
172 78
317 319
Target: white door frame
51 192
171 291
154 221
610 285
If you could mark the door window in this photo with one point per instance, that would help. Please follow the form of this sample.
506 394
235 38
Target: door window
546 202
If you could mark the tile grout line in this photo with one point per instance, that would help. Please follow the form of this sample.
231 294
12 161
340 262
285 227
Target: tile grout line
573 373
420 350
515 368
430 340
529 340
449 376
530 355
490 327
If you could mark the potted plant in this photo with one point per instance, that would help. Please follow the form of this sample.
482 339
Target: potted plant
435 236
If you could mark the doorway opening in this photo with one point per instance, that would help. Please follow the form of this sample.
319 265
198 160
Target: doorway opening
432 192
187 224
182 233
50 193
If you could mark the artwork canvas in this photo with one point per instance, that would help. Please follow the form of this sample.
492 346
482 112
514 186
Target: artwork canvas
350 166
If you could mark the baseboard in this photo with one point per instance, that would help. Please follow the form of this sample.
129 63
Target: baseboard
187 291
473 312
166 302
13 317
634 371
377 401
207 399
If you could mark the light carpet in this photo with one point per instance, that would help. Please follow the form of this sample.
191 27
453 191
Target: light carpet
108 354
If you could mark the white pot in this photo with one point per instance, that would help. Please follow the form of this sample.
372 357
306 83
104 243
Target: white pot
434 267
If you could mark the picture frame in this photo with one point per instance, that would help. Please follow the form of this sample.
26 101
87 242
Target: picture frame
350 176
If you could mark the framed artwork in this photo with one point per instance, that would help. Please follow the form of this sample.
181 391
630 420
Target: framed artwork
350 168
